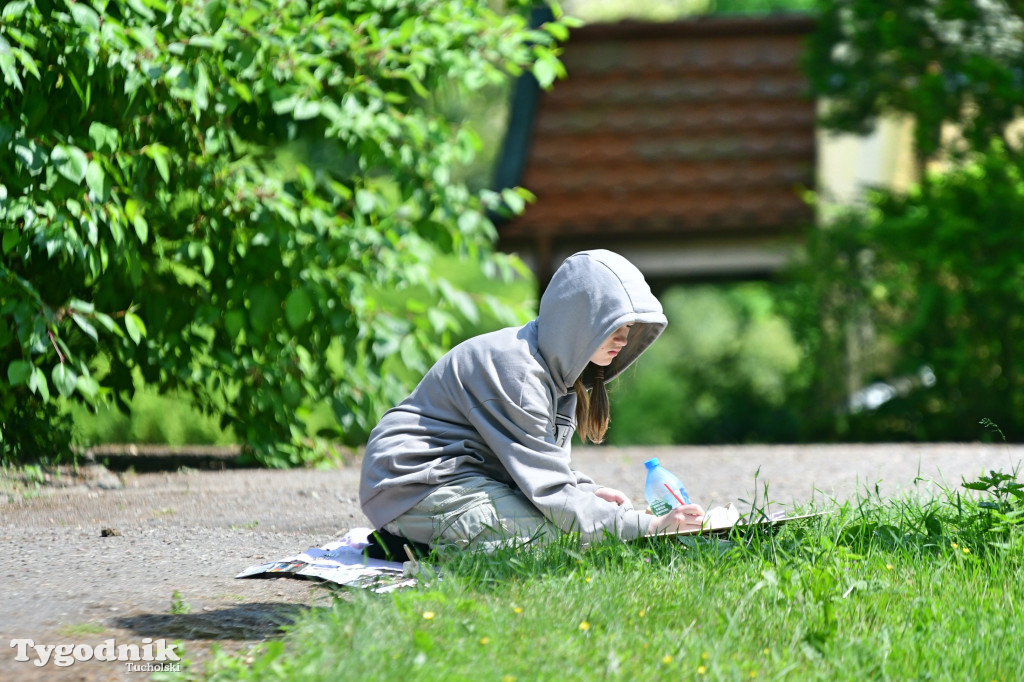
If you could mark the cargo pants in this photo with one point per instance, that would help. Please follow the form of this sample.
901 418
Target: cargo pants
475 513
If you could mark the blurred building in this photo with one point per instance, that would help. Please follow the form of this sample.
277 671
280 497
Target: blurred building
686 146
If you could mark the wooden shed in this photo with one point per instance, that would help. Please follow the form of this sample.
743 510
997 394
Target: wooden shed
686 146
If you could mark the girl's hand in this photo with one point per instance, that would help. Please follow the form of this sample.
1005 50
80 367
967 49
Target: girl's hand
685 517
612 495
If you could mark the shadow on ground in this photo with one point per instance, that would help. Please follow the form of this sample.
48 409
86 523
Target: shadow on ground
256 621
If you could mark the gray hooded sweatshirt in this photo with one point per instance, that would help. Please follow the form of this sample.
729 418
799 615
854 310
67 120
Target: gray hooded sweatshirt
501 405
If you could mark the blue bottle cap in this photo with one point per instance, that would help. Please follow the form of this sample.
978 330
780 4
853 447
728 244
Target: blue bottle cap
651 463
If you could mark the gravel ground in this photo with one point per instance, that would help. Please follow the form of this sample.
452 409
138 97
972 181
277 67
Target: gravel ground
101 555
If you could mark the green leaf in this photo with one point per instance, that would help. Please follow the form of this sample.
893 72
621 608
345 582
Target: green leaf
558 31
141 227
29 64
87 386
37 384
70 161
104 138
135 327
7 67
201 94
234 320
158 153
283 106
214 13
18 372
64 379
30 154
306 109
97 180
11 238
306 176
417 86
208 259
460 300
440 321
407 28
107 322
264 308
81 306
513 200
365 201
410 353
133 212
85 326
242 89
85 16
545 73
131 207
162 168
140 7
976 485
14 10
297 307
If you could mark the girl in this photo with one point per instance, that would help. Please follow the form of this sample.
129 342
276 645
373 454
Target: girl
478 455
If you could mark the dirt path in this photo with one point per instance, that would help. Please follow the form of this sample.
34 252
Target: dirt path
104 557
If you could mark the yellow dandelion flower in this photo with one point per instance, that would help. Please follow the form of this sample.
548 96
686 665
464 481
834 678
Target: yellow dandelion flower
966 551
517 609
485 640
766 651
666 659
643 613
701 669
954 545
508 678
888 567
428 615
584 626
587 579
705 656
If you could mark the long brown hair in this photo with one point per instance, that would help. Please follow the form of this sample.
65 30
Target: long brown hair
592 411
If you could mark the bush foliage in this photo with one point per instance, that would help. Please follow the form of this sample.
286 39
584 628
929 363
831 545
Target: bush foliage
935 276
929 278
156 220
940 63
723 371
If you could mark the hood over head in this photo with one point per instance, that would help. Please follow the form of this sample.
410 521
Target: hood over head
592 294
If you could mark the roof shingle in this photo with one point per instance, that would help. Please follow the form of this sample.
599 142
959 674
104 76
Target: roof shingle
690 128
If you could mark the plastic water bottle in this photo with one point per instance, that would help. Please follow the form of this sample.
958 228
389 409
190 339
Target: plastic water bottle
664 491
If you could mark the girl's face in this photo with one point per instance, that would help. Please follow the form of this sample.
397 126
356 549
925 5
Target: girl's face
611 347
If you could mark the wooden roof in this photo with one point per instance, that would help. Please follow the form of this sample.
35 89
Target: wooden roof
685 130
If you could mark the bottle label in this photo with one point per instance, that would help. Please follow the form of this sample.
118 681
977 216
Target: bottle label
660 507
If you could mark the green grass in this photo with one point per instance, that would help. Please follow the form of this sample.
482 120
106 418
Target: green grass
79 630
179 606
880 590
